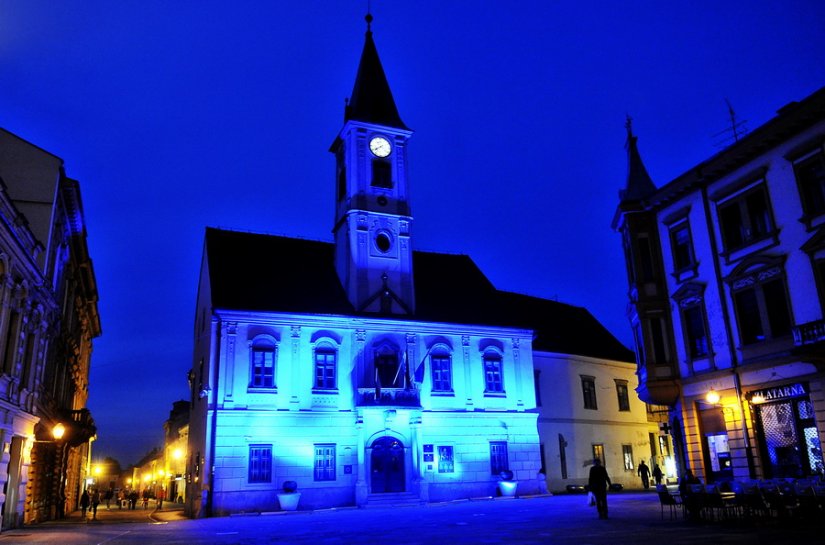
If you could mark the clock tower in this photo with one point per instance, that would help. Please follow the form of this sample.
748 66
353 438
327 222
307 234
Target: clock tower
373 251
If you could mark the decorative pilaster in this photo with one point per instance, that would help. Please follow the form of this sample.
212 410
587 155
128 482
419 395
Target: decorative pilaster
519 373
231 329
294 367
468 372
361 487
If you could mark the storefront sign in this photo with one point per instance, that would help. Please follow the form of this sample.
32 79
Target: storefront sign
780 392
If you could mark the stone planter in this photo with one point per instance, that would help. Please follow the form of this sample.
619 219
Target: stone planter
289 500
508 488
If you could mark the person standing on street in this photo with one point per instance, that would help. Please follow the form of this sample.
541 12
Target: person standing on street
95 503
644 473
657 474
598 483
84 503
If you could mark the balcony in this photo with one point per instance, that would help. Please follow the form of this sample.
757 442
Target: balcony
388 397
810 333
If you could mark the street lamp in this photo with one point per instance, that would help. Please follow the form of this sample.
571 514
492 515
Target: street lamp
712 397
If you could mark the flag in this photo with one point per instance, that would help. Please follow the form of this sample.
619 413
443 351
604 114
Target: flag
377 385
419 370
402 366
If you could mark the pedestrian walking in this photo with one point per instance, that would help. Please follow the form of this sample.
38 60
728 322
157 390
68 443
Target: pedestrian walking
95 503
108 497
644 473
598 483
161 495
84 503
133 498
657 474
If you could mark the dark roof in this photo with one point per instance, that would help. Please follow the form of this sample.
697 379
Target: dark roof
281 274
371 99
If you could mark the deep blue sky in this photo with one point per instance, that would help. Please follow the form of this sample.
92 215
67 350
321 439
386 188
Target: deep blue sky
175 116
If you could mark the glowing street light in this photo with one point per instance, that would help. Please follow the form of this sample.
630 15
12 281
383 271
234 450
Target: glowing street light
712 397
58 431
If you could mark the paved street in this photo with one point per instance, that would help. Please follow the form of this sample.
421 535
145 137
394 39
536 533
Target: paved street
561 519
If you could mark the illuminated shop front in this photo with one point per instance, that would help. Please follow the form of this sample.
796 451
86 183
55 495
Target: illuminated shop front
786 427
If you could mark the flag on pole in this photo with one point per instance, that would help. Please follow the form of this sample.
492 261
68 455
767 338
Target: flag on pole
419 370
401 371
377 385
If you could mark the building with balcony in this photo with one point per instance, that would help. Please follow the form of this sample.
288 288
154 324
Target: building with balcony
48 319
363 370
726 269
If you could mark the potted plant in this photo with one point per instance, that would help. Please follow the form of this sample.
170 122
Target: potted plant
507 485
289 496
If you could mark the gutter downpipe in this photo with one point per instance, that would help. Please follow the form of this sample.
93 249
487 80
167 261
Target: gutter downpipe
737 382
213 427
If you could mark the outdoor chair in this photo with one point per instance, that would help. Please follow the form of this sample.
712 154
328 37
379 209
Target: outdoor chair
668 499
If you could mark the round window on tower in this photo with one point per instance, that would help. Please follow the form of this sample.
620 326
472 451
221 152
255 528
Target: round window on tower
383 242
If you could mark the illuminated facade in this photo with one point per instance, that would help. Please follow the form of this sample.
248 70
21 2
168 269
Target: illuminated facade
726 265
362 370
48 319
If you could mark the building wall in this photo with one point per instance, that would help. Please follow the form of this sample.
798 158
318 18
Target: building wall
737 367
294 416
568 430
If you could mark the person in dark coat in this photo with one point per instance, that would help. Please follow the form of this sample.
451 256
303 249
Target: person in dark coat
644 473
84 503
598 483
657 474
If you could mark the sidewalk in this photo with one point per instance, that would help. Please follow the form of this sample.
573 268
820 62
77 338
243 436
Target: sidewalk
114 515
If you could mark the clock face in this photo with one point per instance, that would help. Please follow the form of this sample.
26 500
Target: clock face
380 146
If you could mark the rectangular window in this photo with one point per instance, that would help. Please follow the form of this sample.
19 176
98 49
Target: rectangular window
445 459
810 176
621 392
657 338
646 259
598 452
263 368
762 311
537 383
682 247
664 447
325 462
325 361
627 456
260 463
493 382
441 366
589 392
498 457
693 318
746 218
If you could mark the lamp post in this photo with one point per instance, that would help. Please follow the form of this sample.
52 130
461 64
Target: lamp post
58 432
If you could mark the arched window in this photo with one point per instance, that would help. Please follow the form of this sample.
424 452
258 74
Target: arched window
263 354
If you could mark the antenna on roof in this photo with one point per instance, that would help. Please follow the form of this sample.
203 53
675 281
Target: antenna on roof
736 130
368 17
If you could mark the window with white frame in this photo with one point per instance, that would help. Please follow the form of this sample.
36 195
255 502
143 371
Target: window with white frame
810 177
627 456
746 218
493 379
441 370
262 365
589 392
760 301
325 462
326 358
622 395
260 463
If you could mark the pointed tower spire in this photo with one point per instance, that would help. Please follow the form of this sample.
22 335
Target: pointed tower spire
639 185
371 99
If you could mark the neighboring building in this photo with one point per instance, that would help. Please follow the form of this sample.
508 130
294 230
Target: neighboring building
363 370
175 443
726 265
588 409
48 319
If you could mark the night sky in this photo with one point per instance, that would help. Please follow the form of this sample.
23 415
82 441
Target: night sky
175 116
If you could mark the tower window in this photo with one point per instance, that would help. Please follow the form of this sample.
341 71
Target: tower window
381 174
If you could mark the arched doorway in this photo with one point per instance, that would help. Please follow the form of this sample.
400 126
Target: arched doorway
387 466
